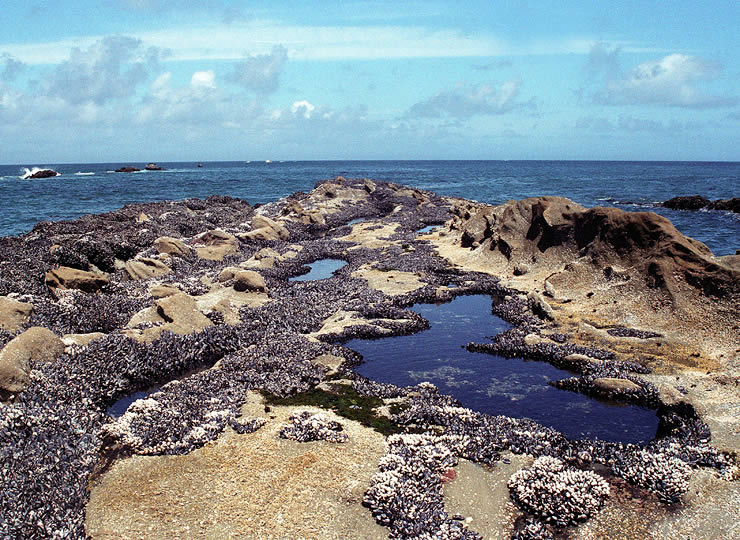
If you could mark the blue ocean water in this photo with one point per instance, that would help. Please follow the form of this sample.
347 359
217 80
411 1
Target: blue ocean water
633 186
493 384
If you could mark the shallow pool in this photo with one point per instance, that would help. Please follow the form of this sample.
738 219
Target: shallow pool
492 384
322 269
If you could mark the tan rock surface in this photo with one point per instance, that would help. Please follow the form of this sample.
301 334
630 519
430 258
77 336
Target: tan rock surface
216 244
146 268
14 314
172 246
36 344
72 278
392 282
244 486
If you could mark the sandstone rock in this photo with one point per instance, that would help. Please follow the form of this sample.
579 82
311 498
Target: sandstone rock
218 244
72 278
163 291
610 384
534 339
35 344
14 314
142 218
81 339
579 359
249 280
520 269
540 307
264 228
180 314
550 290
669 395
228 273
172 246
146 268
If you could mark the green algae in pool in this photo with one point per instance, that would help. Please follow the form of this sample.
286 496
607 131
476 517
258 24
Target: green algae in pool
491 384
322 269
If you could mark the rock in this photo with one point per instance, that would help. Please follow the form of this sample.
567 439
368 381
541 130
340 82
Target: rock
669 395
163 291
172 246
14 314
182 315
128 169
36 344
610 384
580 359
72 278
146 268
520 269
142 218
549 290
693 202
264 228
44 173
153 167
540 307
81 339
728 205
534 339
249 280
218 244
228 273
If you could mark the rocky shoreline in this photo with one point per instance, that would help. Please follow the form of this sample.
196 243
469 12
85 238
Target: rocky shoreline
194 297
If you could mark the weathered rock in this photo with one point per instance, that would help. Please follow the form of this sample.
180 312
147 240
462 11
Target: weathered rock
580 359
81 339
249 280
72 278
172 246
128 169
217 245
146 268
540 307
264 228
142 218
14 314
611 384
728 205
162 291
178 313
228 273
35 344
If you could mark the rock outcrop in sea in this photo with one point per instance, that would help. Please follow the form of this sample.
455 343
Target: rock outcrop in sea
191 302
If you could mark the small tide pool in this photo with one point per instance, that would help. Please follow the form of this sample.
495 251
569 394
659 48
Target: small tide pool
491 384
427 229
322 269
120 406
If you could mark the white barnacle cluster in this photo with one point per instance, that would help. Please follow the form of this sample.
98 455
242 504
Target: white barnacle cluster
406 493
305 426
664 475
556 493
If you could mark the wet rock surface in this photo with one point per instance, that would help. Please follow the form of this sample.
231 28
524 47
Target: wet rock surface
56 439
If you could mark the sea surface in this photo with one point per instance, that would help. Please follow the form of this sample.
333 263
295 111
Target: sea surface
88 188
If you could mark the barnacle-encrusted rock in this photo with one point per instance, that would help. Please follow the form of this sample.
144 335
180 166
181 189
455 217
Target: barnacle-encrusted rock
146 268
662 474
72 278
306 426
249 280
14 314
558 494
216 244
172 246
35 344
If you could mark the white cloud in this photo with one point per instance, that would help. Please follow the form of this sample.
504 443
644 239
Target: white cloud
464 101
11 67
674 80
203 79
302 108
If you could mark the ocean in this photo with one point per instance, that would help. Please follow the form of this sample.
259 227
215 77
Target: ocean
88 188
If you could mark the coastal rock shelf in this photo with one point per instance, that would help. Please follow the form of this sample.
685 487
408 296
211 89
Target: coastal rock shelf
197 300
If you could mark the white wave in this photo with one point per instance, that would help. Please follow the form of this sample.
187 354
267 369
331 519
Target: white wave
27 173
84 173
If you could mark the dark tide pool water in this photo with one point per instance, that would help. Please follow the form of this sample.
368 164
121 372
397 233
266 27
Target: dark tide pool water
492 384
322 269
120 406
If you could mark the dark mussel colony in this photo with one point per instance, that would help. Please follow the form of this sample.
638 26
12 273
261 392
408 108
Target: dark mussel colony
55 435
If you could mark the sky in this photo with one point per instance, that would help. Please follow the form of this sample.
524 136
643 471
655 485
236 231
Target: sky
179 80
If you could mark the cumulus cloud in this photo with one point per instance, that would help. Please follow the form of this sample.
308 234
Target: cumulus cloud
203 79
675 80
110 69
464 101
261 72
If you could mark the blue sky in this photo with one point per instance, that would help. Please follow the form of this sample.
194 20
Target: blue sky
165 80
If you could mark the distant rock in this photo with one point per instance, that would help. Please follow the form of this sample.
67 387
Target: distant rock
44 173
128 169
697 202
153 167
